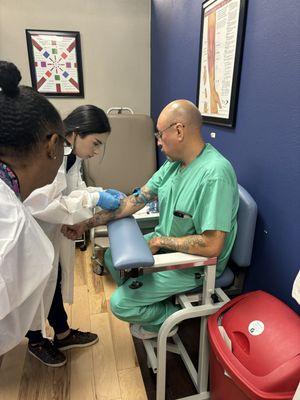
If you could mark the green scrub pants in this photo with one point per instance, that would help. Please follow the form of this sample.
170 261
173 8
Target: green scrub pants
149 305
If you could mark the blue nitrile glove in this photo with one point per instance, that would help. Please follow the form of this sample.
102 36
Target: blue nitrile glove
107 201
116 193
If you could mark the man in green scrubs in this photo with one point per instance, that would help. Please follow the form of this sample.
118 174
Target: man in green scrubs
198 201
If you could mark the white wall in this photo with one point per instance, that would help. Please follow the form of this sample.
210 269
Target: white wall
115 44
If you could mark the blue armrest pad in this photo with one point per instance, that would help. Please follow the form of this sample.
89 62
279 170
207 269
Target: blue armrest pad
128 247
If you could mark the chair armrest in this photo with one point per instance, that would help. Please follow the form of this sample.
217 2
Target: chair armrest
129 249
177 260
177 257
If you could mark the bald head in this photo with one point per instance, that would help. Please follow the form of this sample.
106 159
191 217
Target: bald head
179 131
182 111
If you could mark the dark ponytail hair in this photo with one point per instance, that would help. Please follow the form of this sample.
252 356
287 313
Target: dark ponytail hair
26 117
9 79
85 120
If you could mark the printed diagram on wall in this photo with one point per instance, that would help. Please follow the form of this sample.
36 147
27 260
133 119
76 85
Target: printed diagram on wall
55 62
222 32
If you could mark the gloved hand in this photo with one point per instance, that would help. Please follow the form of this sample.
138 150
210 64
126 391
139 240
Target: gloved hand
116 193
107 201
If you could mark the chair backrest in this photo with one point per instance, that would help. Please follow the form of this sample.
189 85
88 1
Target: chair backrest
130 157
246 219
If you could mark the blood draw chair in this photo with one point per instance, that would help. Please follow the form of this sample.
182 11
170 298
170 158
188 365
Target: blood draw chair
132 257
130 160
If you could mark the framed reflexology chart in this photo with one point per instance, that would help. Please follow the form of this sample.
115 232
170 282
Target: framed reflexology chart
55 62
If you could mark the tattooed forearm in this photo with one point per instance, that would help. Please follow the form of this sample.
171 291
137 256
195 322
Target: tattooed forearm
100 218
148 194
187 244
169 243
136 200
128 206
143 197
208 244
191 243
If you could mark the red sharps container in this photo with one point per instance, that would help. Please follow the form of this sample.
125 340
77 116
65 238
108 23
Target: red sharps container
254 349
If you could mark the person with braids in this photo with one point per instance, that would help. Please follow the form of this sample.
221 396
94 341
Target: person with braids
31 151
67 201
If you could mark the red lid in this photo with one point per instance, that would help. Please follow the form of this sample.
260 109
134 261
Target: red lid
265 337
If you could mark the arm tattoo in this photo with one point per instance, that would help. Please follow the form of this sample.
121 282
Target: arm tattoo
170 243
145 196
96 220
128 206
190 243
148 194
187 244
136 200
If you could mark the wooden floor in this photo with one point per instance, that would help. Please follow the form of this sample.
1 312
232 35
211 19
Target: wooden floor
109 370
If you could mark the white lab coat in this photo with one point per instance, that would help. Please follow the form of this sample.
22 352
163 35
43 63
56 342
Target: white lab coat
26 257
54 205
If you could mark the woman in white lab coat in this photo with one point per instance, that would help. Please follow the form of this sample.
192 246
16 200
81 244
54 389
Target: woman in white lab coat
68 201
31 141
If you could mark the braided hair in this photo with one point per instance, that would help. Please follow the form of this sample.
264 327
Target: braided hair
26 117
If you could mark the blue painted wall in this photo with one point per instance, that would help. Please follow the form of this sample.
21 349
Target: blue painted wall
264 146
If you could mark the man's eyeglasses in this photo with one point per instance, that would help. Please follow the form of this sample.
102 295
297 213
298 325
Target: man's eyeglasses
158 134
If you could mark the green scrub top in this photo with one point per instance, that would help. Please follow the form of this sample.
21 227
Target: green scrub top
205 191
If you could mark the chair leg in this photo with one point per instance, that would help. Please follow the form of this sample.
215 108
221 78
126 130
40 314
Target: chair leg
161 361
203 364
237 287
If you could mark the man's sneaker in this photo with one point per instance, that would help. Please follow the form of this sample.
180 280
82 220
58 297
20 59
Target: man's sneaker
139 332
47 353
76 338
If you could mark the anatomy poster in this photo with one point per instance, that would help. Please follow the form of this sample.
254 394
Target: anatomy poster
221 29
